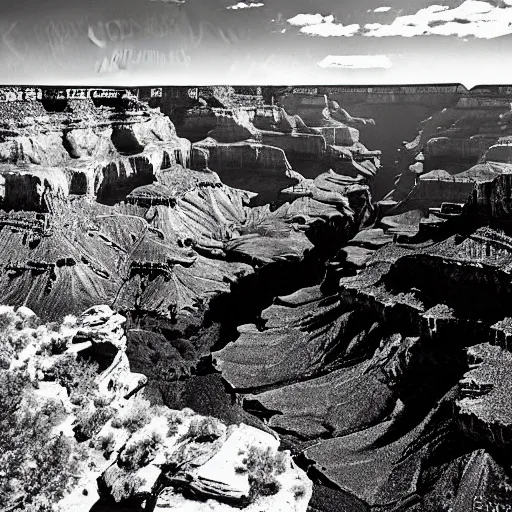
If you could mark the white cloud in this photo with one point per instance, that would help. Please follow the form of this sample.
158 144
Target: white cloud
243 5
331 29
356 62
319 25
472 18
301 20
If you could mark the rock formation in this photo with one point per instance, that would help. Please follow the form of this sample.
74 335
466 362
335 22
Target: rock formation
104 203
455 148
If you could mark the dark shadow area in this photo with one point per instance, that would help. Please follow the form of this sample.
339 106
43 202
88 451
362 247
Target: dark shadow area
125 141
54 105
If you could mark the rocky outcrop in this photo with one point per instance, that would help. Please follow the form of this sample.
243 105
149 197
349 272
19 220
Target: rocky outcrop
89 156
240 264
196 458
250 137
484 410
146 229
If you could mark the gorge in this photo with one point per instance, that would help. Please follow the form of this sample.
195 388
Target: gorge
259 295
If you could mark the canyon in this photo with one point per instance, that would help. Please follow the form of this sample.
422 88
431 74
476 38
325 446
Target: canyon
251 273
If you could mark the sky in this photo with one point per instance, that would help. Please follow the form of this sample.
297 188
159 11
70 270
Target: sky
256 42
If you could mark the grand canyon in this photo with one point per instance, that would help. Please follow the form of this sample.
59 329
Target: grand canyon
281 299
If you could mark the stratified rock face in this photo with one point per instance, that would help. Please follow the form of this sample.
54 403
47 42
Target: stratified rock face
485 410
119 218
458 151
375 342
248 141
200 459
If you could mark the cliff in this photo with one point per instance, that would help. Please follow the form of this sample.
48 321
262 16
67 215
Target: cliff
116 171
335 355
473 133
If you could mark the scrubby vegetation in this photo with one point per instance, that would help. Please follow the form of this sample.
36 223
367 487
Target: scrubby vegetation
17 333
138 452
134 417
262 466
174 419
90 422
37 467
299 491
121 482
39 464
77 376
204 430
105 443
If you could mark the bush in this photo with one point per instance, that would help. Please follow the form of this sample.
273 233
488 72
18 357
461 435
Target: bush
105 443
77 376
90 423
40 468
14 338
204 430
13 342
122 483
136 415
102 401
299 491
54 411
173 420
138 453
263 466
55 345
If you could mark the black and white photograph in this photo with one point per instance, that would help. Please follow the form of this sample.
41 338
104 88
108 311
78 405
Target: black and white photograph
256 256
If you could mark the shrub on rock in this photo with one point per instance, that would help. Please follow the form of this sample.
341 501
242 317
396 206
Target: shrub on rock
122 483
263 465
37 467
138 452
90 422
204 430
77 376
135 416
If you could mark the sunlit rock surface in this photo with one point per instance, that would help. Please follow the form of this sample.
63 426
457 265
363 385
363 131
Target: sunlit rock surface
131 451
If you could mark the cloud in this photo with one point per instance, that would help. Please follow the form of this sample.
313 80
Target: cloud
319 25
472 18
356 62
243 5
301 20
331 29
